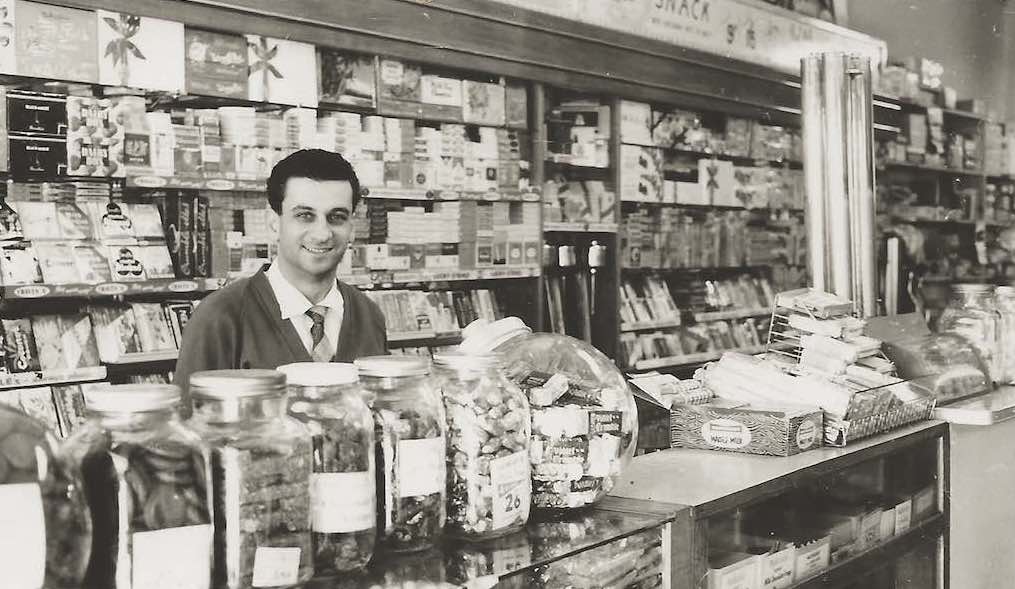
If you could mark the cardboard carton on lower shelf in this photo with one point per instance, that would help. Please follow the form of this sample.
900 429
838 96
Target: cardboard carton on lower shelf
812 557
776 569
733 570
776 431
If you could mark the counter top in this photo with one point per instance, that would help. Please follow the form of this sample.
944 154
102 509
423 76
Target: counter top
987 409
517 560
711 481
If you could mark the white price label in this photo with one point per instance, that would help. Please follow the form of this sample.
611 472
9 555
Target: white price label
420 467
510 478
189 567
22 555
342 502
391 72
903 516
276 566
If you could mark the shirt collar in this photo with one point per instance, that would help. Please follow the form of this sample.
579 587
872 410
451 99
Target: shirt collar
291 301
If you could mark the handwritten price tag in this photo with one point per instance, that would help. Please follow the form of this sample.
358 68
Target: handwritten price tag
510 478
276 566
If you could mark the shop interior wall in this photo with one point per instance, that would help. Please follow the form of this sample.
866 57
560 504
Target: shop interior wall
970 38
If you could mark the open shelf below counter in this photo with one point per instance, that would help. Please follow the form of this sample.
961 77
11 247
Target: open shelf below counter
887 551
52 377
714 482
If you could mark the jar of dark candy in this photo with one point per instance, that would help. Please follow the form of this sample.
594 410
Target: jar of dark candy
327 398
146 480
42 500
261 466
410 450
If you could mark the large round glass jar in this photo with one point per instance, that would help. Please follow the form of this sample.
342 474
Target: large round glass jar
489 476
410 450
584 420
146 481
1006 306
972 313
261 465
46 532
327 398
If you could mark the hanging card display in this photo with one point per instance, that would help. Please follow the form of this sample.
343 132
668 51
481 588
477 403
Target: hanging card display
140 52
56 42
216 64
348 79
284 72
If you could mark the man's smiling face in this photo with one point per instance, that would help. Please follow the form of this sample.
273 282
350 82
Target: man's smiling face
315 226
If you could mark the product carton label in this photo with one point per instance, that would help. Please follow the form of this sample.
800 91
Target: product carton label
812 558
777 569
726 433
903 516
605 422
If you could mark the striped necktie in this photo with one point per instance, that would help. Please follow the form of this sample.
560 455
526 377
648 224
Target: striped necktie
321 348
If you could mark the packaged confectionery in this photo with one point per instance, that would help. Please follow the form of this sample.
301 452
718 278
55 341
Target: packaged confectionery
1006 306
410 450
584 420
328 400
489 475
47 536
145 477
972 313
261 465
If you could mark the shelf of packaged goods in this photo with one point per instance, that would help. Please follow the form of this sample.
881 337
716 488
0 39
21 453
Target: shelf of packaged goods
885 553
433 195
936 169
109 289
893 103
676 270
177 182
420 339
649 325
689 359
731 314
389 279
743 160
40 378
143 357
568 227
710 207
569 160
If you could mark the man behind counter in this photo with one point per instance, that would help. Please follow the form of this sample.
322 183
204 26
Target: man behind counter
296 310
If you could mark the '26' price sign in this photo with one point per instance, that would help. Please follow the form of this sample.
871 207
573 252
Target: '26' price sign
509 476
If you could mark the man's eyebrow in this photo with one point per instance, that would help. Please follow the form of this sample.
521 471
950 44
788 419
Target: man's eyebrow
301 208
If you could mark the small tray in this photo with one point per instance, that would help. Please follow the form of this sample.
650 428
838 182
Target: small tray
839 433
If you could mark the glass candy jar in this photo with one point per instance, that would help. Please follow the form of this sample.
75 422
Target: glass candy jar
584 420
146 477
410 450
1006 307
972 313
489 477
328 399
261 466
47 533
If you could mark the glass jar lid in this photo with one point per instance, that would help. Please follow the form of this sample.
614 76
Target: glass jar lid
320 374
132 398
973 288
482 336
464 361
236 384
392 366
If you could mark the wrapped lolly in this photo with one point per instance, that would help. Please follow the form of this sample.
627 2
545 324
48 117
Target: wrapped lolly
146 481
410 450
261 465
489 477
328 400
42 501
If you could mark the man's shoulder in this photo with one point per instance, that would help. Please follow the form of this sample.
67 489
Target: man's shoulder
354 297
229 299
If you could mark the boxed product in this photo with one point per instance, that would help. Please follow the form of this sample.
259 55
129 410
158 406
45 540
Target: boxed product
348 78
776 568
398 88
21 354
30 112
718 182
116 331
216 64
19 264
635 122
812 557
733 570
282 71
440 97
65 342
56 43
924 503
140 52
516 112
483 103
721 425
32 156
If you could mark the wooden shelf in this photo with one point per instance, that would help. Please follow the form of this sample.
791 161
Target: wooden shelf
732 314
167 286
936 169
649 325
849 570
428 195
567 227
688 359
143 357
423 339
390 279
52 377
742 160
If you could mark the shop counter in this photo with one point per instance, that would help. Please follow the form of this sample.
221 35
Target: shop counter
982 463
617 543
823 506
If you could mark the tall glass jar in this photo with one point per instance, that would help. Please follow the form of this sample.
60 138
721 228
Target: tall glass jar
1006 306
328 400
972 313
584 421
261 465
410 450
489 476
146 480
46 535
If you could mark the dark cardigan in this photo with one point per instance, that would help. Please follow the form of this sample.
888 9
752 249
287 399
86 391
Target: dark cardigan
241 326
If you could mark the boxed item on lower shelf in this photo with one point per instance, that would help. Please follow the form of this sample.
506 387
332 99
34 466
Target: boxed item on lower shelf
733 570
776 568
721 425
812 557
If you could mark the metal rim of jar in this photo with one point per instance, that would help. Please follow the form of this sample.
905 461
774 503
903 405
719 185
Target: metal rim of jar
236 384
464 361
392 366
132 398
320 374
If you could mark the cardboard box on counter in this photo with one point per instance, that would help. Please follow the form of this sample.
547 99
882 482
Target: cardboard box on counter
719 425
733 570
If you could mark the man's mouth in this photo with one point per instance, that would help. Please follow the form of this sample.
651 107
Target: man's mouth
317 250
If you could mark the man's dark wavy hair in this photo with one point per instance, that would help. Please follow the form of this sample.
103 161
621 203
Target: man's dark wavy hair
316 164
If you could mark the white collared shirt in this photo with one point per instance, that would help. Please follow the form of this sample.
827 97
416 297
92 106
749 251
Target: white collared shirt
294 307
